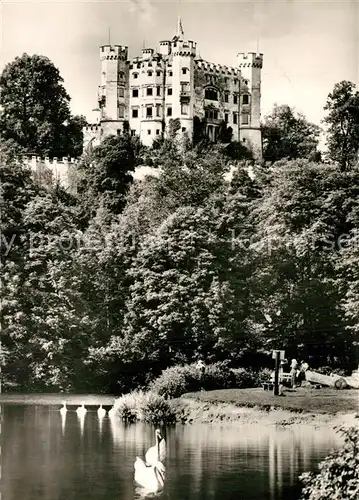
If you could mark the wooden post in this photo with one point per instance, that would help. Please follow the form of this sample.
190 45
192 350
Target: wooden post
276 374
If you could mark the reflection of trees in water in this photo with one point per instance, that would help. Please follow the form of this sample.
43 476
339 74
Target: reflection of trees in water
46 458
264 458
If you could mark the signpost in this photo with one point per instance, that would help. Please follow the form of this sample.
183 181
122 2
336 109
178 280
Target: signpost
277 356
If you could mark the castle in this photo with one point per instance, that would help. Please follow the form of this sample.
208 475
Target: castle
142 95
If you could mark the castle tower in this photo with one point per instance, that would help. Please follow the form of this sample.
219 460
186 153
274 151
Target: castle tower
149 96
250 65
183 53
113 91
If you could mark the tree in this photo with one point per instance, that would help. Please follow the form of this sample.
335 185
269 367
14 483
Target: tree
304 210
35 108
105 175
343 124
287 134
338 475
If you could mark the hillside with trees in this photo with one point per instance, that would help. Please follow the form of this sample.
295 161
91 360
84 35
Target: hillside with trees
104 289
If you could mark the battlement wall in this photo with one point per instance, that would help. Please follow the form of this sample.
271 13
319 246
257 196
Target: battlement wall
216 68
250 60
50 172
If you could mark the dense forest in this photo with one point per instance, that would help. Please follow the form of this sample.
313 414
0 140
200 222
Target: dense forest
103 289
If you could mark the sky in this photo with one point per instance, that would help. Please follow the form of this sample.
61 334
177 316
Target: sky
308 45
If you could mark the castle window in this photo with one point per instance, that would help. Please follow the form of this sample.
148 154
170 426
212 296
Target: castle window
148 131
157 132
226 117
133 133
184 71
135 113
245 119
244 139
235 99
183 129
158 90
226 96
211 114
134 92
149 91
121 74
226 80
121 112
169 111
245 99
184 87
149 73
235 81
169 91
184 109
170 73
235 118
158 73
245 82
121 92
158 109
211 94
149 112
135 75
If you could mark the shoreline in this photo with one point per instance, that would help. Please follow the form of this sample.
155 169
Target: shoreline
235 406
190 410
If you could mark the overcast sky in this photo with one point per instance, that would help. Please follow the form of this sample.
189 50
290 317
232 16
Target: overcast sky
307 45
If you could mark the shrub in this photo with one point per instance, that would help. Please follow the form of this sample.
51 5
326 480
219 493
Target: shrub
128 405
218 376
339 472
147 407
177 380
156 410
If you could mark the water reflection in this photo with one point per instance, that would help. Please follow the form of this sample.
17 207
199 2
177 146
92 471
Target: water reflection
63 421
49 456
81 418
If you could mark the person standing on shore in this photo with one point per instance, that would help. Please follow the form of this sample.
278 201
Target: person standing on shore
293 372
201 368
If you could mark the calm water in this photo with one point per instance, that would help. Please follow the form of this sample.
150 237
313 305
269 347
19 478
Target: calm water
45 457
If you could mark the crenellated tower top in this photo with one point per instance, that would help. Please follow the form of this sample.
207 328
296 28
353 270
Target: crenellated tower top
113 52
250 60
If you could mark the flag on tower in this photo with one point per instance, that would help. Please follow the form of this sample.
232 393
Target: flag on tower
180 31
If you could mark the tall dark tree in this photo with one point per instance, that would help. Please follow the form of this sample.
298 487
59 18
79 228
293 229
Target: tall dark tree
287 134
343 124
106 174
35 108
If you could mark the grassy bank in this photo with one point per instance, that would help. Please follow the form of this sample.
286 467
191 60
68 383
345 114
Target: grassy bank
243 405
324 407
302 399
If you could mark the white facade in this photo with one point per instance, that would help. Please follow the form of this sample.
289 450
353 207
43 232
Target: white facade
142 95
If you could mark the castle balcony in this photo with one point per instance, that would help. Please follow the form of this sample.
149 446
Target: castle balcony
185 95
214 121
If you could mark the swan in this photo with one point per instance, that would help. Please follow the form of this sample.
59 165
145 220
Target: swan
101 412
156 453
63 409
112 412
81 410
150 477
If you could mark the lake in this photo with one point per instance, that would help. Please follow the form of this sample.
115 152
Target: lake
47 457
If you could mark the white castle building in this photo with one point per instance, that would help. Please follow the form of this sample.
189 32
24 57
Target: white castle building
142 95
